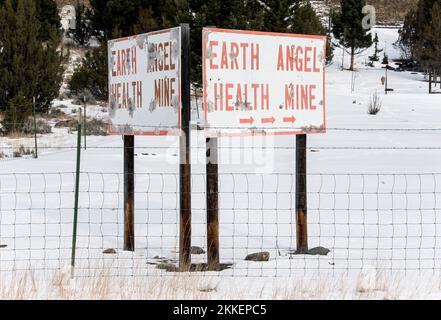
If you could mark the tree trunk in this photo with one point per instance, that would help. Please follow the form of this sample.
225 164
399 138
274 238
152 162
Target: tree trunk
430 82
352 58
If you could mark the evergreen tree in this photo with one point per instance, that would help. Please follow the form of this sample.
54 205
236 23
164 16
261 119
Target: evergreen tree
92 74
348 28
278 13
420 36
47 13
305 21
428 44
17 112
385 59
230 14
82 32
375 57
408 36
29 67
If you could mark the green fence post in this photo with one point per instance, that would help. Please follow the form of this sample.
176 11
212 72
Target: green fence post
77 187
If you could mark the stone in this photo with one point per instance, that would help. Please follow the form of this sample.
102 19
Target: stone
109 251
196 250
318 251
66 124
259 256
169 267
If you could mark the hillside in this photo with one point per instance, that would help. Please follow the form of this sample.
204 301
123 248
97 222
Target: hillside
388 11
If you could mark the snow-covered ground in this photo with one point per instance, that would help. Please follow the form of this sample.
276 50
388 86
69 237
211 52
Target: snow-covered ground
374 193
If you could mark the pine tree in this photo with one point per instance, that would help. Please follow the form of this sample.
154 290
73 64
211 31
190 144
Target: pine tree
305 21
47 13
408 36
348 28
375 57
278 13
30 67
17 112
420 36
385 59
428 44
92 74
230 14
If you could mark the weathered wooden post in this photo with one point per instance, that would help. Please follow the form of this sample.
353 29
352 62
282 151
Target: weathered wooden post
129 193
301 195
35 129
212 204
185 165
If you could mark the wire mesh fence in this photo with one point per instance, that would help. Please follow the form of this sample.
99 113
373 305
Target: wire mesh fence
383 221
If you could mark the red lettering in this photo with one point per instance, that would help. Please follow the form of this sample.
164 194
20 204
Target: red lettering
213 54
307 59
228 97
280 60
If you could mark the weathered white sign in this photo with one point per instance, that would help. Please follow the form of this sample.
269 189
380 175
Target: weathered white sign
144 83
263 83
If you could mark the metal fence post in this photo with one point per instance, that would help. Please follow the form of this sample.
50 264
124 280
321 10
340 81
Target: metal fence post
77 188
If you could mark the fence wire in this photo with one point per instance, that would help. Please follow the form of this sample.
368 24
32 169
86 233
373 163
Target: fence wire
382 221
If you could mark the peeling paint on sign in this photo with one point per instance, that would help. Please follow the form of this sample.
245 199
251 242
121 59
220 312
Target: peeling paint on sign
263 83
144 80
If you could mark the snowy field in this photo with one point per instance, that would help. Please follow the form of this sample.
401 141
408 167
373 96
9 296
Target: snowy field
374 197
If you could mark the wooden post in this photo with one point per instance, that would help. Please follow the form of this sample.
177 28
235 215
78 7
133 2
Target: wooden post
35 129
430 82
301 195
212 204
85 124
184 155
129 193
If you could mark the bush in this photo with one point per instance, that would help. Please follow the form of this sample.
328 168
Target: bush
22 151
16 114
374 105
78 99
92 74
56 112
43 127
96 127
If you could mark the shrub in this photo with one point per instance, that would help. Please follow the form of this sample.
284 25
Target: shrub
43 127
16 114
374 105
22 151
96 127
92 74
56 112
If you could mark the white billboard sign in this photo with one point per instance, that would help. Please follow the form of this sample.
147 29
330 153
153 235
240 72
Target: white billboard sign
144 83
263 83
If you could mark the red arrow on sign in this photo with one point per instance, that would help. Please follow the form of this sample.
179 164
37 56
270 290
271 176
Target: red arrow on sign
290 119
244 121
268 120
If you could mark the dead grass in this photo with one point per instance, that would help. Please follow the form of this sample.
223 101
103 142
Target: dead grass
101 285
